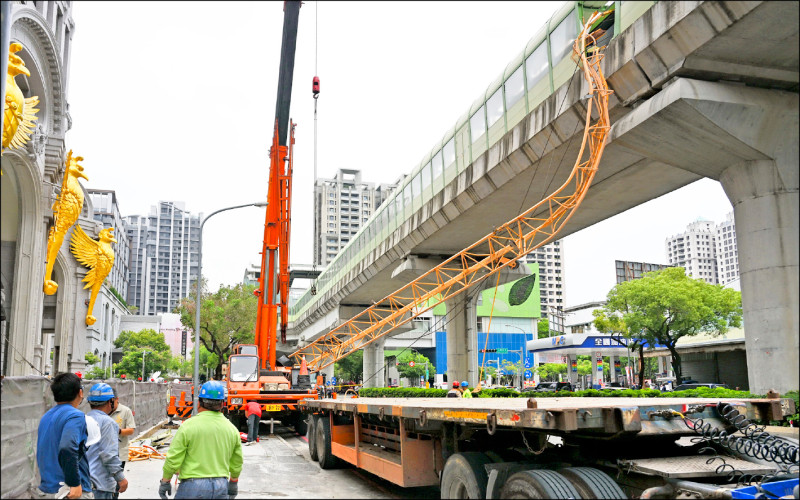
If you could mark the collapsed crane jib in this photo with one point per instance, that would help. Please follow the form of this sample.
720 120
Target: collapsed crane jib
445 285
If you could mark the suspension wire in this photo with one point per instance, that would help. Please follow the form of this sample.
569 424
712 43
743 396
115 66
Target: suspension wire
21 355
489 329
314 185
550 166
457 310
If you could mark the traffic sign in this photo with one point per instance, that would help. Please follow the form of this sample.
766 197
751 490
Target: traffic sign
410 363
527 363
528 374
333 380
502 350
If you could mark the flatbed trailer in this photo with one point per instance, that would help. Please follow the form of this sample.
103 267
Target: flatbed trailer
541 447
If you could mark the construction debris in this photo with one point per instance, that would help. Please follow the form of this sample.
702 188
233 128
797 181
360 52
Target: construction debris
144 452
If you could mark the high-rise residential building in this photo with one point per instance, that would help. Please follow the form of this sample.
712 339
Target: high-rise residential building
106 210
341 206
727 251
164 255
551 282
627 270
706 250
695 250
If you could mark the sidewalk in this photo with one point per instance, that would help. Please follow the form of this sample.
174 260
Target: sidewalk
276 467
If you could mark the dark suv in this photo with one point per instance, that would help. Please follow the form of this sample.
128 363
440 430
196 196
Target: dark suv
550 387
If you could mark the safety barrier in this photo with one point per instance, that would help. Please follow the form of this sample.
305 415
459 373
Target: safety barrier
23 401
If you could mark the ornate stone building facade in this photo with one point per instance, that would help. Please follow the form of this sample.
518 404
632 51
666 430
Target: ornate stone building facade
33 322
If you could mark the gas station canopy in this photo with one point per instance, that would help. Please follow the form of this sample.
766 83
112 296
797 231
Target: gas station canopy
584 344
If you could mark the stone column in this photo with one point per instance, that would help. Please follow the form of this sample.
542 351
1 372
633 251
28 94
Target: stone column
765 203
374 374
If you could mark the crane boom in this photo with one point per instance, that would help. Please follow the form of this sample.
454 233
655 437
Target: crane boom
499 249
273 282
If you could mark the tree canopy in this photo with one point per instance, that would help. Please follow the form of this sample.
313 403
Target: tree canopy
351 367
418 370
133 344
664 306
227 318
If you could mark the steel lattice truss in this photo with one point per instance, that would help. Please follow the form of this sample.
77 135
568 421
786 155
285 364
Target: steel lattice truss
495 251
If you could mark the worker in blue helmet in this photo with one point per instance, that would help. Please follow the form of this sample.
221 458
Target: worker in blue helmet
206 451
105 467
465 392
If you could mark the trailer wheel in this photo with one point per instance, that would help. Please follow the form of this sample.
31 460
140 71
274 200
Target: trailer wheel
538 484
300 425
592 483
312 436
322 435
464 475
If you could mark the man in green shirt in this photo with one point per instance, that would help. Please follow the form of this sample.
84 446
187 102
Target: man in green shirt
206 451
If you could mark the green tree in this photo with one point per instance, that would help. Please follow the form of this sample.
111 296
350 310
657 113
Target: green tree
227 318
550 371
98 373
350 367
133 344
414 373
542 328
513 370
665 306
91 359
613 323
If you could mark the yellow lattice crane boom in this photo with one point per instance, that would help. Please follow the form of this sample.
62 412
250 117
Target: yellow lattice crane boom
497 250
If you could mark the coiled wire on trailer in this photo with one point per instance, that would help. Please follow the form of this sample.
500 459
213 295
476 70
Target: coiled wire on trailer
755 443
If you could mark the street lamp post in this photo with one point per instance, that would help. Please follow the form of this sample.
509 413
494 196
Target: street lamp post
196 375
525 347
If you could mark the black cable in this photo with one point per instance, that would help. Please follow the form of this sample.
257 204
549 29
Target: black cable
549 168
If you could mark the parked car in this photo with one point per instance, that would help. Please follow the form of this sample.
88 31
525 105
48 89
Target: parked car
698 385
550 387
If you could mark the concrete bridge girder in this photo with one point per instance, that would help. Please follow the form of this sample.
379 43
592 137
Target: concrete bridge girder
746 138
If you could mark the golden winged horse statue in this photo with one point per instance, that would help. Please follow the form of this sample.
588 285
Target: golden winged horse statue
66 210
96 255
18 112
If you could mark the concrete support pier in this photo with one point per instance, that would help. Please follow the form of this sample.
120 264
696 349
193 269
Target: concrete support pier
374 374
462 338
765 203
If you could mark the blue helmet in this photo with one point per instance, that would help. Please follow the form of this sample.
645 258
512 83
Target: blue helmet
464 384
100 393
212 389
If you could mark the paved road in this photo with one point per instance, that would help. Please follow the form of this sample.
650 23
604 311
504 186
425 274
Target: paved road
279 467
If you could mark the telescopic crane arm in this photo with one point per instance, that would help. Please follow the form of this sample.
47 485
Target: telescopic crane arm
273 284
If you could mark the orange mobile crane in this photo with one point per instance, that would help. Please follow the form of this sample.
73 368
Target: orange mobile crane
253 372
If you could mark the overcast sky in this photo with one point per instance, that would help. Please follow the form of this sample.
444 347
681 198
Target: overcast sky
176 101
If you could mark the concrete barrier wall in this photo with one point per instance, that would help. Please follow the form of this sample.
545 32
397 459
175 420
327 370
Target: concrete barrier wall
23 401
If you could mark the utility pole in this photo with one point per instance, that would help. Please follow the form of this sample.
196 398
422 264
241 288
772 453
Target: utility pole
144 378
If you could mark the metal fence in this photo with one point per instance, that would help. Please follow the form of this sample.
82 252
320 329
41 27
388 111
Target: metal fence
23 401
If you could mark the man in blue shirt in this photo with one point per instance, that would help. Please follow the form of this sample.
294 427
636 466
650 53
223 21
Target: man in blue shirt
61 443
105 466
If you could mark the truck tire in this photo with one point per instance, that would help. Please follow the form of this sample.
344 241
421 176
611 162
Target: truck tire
464 475
322 434
538 484
312 436
238 421
300 425
592 483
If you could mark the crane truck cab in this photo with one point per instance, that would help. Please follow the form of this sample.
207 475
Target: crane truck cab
276 390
